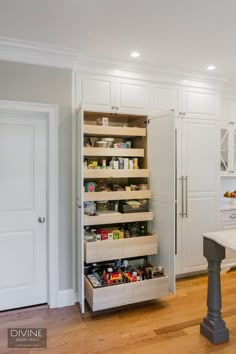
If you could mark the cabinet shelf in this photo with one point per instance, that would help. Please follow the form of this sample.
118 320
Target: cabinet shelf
117 218
100 251
97 130
111 173
119 195
94 151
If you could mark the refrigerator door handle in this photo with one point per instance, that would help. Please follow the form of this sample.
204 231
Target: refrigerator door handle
186 196
182 196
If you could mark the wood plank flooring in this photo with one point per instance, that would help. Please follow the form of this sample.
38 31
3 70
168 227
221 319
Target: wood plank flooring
168 326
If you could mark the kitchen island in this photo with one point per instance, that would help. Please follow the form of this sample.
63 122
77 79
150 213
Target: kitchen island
214 244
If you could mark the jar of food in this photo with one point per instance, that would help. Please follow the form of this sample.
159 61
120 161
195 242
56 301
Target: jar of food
101 144
102 205
109 141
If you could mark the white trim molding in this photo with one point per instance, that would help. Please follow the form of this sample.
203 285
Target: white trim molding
28 52
37 53
66 297
51 113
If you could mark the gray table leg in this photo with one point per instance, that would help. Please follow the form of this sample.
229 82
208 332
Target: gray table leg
212 326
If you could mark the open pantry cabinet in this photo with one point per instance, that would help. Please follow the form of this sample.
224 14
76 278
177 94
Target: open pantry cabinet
125 208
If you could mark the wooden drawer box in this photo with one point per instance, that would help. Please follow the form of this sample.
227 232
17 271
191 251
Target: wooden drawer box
125 248
124 294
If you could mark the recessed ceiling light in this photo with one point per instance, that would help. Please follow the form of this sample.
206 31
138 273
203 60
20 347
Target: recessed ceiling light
211 67
135 54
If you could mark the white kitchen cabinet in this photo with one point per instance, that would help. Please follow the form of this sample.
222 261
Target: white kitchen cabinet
186 102
159 249
228 109
197 201
131 96
200 103
227 148
108 94
96 92
165 98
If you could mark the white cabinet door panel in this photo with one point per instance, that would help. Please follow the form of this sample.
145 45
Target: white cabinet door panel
164 98
200 161
200 104
131 96
202 214
23 275
161 152
79 206
96 93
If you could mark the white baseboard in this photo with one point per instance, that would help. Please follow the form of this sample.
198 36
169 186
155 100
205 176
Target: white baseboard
66 298
76 297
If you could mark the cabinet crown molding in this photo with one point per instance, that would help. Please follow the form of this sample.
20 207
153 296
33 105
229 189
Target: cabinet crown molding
28 52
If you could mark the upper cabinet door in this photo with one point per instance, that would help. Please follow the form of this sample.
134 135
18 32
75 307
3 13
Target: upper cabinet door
96 92
199 103
165 98
131 96
228 109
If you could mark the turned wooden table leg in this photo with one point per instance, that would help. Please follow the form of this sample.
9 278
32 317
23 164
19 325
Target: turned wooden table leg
213 327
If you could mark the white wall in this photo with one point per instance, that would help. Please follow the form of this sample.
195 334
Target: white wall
32 83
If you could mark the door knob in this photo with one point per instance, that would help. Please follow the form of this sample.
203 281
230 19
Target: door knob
41 219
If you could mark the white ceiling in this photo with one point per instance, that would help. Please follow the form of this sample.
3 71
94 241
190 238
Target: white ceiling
182 34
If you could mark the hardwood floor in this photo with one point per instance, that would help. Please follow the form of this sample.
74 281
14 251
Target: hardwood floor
168 326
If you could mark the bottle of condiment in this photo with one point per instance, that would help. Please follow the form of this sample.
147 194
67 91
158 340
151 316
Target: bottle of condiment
135 164
142 231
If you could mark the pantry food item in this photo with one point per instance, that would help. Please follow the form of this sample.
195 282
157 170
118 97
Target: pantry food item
109 141
101 144
103 121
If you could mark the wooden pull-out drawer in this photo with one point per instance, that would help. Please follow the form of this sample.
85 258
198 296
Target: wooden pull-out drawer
124 294
99 251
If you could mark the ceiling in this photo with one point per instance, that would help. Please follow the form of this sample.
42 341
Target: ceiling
177 34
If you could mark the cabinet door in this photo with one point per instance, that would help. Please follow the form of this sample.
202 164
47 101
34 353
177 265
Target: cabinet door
80 228
198 103
224 150
225 110
161 151
131 96
233 150
199 165
228 109
164 98
97 93
228 149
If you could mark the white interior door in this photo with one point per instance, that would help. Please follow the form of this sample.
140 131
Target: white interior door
23 278
161 152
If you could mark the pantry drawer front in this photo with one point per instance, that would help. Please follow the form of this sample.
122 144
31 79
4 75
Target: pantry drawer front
125 248
124 294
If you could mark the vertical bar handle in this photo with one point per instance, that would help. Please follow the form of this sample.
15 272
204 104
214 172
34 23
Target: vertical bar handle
182 196
186 196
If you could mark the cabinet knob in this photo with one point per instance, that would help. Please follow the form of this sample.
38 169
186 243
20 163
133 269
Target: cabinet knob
117 107
184 114
112 107
180 113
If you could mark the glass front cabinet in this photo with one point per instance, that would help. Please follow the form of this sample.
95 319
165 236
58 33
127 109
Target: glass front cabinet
228 149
